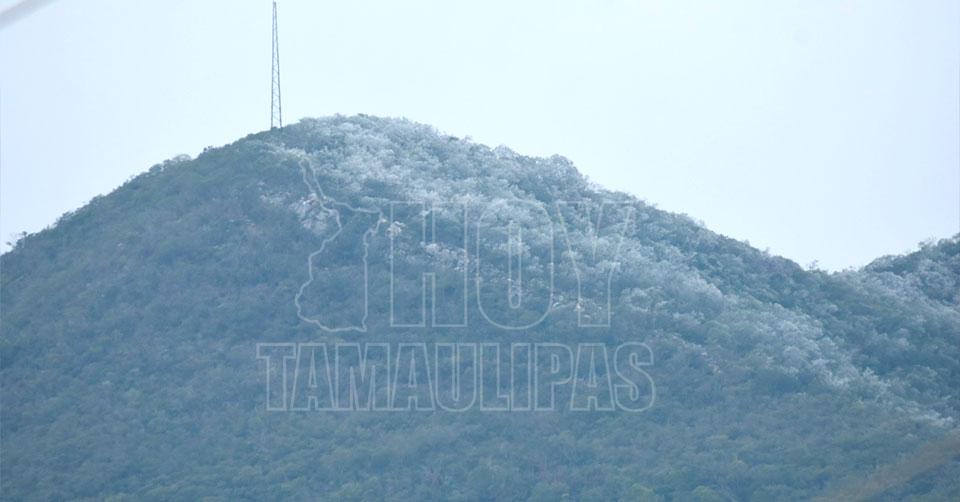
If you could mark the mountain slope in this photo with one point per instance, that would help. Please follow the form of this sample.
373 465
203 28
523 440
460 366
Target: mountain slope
130 330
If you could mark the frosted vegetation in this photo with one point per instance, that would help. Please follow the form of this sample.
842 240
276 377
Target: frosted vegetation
129 332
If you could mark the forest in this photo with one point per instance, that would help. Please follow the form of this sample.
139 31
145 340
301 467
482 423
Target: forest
128 344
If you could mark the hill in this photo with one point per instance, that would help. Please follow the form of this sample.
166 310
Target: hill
131 330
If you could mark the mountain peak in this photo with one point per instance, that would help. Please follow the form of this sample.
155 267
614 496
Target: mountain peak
134 324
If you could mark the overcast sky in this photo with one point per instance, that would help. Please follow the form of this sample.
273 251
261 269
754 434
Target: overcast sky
825 130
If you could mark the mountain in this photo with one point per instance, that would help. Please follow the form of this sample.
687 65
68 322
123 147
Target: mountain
136 337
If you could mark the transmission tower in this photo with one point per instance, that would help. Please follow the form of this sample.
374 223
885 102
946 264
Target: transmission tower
276 110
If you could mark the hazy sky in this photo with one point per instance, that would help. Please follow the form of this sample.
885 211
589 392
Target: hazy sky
824 130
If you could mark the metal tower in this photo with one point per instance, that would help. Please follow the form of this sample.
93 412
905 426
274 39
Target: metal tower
276 110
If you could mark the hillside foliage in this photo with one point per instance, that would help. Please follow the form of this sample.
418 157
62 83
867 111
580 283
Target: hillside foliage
129 334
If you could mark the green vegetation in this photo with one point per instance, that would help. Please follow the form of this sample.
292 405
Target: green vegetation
129 332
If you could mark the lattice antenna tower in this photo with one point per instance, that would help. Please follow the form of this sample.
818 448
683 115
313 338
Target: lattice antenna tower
276 109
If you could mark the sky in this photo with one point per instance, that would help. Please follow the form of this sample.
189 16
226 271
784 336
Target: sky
819 130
